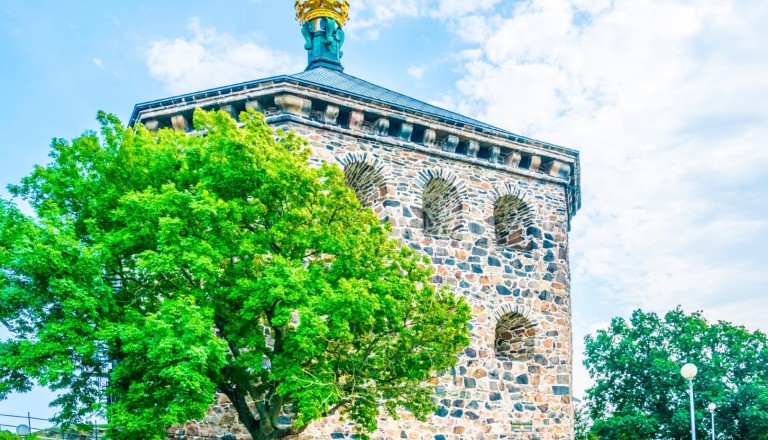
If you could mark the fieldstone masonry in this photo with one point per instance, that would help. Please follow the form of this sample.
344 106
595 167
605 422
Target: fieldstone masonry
492 212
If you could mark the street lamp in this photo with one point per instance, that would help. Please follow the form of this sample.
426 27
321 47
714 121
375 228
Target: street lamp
711 408
689 372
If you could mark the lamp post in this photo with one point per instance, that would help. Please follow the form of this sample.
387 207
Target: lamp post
689 372
711 408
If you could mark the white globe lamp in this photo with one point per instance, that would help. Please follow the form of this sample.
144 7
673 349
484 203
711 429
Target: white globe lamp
689 372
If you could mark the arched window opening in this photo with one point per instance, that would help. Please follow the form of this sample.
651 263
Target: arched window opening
515 337
511 217
441 205
366 181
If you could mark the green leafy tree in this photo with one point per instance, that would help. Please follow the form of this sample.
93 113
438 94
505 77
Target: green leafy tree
219 262
640 394
582 423
6 435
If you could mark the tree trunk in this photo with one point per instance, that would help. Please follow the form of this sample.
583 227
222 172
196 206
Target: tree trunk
255 426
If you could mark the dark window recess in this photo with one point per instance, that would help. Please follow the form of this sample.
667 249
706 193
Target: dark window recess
515 337
343 119
418 134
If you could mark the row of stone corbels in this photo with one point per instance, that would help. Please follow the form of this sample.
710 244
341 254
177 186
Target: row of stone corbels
180 122
299 106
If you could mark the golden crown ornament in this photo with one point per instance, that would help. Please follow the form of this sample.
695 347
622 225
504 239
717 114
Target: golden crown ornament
307 10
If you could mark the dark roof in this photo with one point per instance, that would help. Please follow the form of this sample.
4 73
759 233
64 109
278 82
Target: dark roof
337 81
340 81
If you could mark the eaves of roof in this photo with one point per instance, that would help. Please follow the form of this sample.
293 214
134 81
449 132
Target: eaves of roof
335 81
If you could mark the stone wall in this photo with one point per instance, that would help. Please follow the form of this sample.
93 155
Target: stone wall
518 367
496 230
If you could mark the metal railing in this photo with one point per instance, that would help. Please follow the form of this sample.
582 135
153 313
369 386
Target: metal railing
28 419
42 428
46 429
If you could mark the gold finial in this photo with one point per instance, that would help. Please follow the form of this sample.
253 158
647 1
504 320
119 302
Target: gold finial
307 10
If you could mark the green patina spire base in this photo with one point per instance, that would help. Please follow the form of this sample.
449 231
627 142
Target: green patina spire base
323 40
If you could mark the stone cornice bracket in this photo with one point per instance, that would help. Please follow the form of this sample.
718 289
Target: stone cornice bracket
356 119
381 127
151 124
535 163
450 143
179 123
430 138
294 105
230 110
494 154
331 114
406 130
255 105
473 147
513 159
558 169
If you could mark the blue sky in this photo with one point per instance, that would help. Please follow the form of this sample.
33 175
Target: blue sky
667 100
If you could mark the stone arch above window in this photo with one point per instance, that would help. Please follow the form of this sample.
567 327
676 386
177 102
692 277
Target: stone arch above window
515 336
512 215
441 207
441 202
364 174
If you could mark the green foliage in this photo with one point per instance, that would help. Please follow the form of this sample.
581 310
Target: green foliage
640 394
6 435
218 262
583 427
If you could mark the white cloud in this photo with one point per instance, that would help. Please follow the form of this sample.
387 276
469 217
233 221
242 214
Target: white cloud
369 16
209 59
458 8
416 72
98 62
667 100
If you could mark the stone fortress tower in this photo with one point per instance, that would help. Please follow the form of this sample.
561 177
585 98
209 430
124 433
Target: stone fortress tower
492 210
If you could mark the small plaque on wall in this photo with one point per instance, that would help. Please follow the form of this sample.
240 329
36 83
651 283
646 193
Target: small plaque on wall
522 426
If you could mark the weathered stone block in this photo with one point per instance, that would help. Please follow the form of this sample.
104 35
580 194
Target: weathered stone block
179 123
561 390
381 127
430 137
558 169
494 154
151 124
535 163
513 159
230 110
406 130
254 105
294 105
450 143
356 119
331 114
473 147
